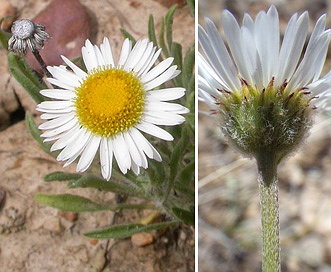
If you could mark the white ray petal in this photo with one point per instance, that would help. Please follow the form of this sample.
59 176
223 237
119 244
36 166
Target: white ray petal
165 76
106 157
55 105
89 57
107 52
155 131
145 145
67 137
290 52
79 72
121 153
134 153
157 70
125 51
64 76
67 126
167 94
58 94
150 63
57 121
75 148
88 154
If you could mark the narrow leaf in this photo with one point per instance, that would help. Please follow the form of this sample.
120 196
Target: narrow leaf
91 181
74 203
151 30
177 154
187 192
124 231
162 44
68 202
176 53
191 4
168 24
61 176
127 35
186 217
4 36
35 132
188 68
186 176
26 77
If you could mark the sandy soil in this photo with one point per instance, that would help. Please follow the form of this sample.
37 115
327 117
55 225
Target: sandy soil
35 238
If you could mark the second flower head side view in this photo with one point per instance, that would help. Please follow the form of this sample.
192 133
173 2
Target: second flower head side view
256 69
264 92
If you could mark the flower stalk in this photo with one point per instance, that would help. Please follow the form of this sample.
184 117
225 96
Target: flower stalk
267 179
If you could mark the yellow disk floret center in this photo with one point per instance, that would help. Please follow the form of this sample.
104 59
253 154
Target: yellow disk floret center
109 101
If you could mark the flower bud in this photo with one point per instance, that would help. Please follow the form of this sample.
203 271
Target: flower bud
271 121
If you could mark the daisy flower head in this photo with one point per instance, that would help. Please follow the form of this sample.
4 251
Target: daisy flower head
264 89
106 108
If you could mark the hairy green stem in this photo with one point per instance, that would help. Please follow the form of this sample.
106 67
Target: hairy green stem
267 179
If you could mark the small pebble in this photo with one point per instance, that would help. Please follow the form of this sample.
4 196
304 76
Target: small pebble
70 216
183 235
52 224
142 239
94 242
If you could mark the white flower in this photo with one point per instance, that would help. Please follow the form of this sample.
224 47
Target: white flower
255 57
107 107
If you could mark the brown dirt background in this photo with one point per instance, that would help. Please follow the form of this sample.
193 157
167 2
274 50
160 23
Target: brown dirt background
229 220
34 238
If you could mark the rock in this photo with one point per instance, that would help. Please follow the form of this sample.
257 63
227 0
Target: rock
69 216
52 224
97 262
310 250
68 25
169 3
324 268
7 9
142 239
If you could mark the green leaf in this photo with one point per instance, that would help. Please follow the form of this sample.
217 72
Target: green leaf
156 173
91 181
61 176
124 231
186 217
74 203
35 132
186 191
188 68
187 174
168 24
127 35
162 44
177 154
190 119
176 53
151 30
26 77
191 4
4 36
68 202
